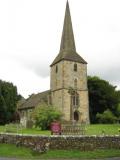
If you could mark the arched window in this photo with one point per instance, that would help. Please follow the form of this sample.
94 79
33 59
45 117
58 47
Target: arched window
75 100
75 83
56 69
75 67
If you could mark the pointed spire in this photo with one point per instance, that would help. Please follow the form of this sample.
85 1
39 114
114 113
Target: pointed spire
67 41
67 48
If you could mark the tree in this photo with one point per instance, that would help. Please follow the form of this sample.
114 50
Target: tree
106 117
8 101
3 111
44 114
118 112
102 96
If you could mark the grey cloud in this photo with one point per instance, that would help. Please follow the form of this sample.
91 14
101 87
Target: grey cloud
113 73
41 70
36 65
110 73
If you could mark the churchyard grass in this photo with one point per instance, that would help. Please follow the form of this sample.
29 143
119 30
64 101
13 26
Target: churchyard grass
93 129
100 129
35 131
9 150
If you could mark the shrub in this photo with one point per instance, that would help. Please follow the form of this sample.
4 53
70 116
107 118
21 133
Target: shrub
106 117
44 114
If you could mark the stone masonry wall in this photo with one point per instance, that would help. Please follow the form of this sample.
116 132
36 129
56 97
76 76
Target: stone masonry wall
65 76
84 107
62 81
63 142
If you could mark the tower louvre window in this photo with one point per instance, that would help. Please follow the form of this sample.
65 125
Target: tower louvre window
56 70
75 67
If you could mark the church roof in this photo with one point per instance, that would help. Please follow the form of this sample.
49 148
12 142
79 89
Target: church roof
34 100
68 48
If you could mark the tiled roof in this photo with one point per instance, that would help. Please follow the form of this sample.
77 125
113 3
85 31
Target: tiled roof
34 100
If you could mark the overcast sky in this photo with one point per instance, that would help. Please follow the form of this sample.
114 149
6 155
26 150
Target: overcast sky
30 34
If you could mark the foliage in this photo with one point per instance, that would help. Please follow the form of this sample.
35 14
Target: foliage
102 96
44 115
8 101
106 117
3 110
118 111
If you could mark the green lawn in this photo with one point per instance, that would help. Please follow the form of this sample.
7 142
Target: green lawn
81 155
7 150
94 129
21 152
35 131
28 131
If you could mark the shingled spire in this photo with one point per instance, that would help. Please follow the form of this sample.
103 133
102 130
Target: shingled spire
67 41
67 48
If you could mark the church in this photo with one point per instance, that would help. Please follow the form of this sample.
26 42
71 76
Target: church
68 81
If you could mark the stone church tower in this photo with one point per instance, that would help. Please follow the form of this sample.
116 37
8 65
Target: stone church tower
69 90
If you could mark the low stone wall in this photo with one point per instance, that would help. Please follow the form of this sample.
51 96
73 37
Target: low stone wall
83 143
